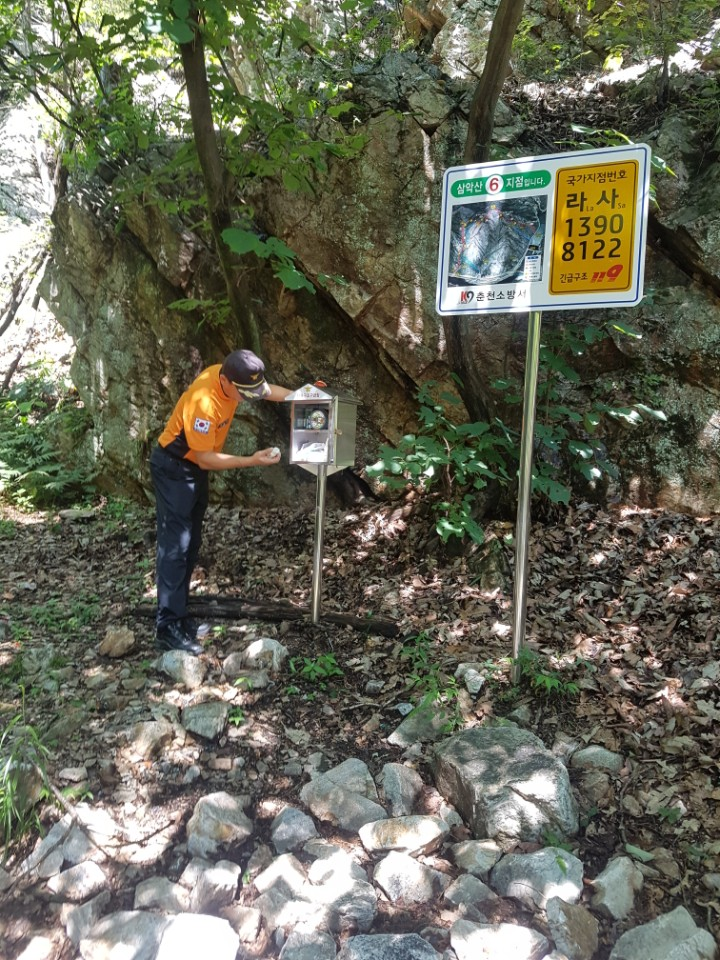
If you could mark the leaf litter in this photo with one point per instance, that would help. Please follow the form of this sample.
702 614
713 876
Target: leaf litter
623 603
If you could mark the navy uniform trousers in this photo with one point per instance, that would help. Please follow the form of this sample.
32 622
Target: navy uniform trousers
181 495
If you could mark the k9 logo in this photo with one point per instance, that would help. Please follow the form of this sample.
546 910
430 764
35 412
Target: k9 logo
466 296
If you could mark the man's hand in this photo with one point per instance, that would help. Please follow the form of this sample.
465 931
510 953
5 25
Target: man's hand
266 458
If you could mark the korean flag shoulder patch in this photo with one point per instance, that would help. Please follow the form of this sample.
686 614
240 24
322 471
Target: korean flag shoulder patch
201 426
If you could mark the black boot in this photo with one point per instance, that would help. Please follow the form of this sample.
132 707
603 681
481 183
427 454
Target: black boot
175 637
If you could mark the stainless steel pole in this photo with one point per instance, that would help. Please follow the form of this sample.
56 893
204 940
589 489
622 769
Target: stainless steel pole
522 526
319 534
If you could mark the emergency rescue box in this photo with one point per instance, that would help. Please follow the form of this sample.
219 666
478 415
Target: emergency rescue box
322 429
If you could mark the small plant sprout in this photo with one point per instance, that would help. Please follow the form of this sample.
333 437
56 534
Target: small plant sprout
236 716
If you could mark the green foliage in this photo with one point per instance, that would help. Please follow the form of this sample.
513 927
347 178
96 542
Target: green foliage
669 815
430 687
461 458
594 137
215 312
552 839
236 716
643 29
11 675
541 677
316 670
23 758
62 617
8 529
39 421
281 256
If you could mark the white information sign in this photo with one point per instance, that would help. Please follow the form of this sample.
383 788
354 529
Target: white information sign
560 232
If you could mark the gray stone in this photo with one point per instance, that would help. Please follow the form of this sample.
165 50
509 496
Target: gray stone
78 846
477 857
388 946
616 886
414 835
79 919
266 652
188 936
159 893
403 880
151 738
217 821
336 865
309 946
534 878
6 880
290 829
285 874
183 668
206 719
117 642
500 941
573 928
130 934
354 904
245 921
354 775
505 783
425 724
49 844
329 800
672 936
597 758
469 890
472 676
401 786
280 912
78 883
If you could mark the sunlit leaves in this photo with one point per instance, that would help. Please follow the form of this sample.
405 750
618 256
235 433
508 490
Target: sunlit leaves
278 253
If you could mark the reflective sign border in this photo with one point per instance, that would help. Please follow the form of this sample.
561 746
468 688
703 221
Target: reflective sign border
500 218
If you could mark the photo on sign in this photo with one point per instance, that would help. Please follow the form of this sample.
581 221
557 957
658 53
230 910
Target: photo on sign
497 241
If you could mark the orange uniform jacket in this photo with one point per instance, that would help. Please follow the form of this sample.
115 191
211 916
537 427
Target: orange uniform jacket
201 418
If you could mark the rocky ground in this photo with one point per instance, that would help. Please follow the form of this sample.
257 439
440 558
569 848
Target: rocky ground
622 634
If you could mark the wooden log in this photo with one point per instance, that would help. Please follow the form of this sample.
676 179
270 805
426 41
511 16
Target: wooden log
274 611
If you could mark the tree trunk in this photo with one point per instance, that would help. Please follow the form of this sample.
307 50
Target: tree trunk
495 71
459 329
216 179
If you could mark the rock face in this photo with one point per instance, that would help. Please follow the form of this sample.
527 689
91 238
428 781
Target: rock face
374 222
506 784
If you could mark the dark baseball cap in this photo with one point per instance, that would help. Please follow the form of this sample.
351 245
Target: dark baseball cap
246 371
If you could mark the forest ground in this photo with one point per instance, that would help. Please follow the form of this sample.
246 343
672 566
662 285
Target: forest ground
624 604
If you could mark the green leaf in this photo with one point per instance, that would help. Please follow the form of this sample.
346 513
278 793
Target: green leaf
292 182
628 331
639 854
583 450
181 8
556 492
294 280
591 421
244 241
179 31
656 414
279 249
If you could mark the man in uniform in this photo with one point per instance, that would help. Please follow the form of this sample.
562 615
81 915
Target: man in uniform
188 449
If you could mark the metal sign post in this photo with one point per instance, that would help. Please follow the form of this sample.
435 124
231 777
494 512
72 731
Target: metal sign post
557 232
322 441
319 537
522 525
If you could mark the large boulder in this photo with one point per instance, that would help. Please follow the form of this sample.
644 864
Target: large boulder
506 784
